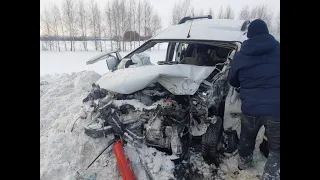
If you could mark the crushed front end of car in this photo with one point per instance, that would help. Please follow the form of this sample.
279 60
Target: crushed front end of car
177 109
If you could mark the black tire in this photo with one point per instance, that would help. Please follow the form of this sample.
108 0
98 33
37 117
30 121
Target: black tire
230 141
210 142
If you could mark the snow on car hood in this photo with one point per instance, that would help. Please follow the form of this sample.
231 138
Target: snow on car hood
180 79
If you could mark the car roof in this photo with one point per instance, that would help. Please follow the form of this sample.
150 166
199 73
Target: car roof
205 29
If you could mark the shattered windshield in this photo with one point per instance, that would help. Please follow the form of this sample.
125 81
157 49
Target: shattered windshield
150 54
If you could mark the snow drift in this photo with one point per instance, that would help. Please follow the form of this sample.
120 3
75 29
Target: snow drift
65 154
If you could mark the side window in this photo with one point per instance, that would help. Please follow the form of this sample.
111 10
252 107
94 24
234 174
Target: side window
223 52
184 50
170 51
180 52
157 52
177 52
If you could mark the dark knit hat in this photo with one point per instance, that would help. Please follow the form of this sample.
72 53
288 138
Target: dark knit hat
257 27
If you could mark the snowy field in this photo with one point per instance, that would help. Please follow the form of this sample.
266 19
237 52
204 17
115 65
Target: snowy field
54 62
68 62
64 155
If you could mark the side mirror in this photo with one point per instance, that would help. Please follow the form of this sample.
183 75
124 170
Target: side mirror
112 62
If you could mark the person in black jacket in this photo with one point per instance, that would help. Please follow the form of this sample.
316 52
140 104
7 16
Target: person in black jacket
255 69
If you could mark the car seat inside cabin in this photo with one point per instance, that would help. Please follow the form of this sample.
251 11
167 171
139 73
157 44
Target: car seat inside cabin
204 55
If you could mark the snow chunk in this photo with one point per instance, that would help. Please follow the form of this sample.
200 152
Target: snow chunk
159 165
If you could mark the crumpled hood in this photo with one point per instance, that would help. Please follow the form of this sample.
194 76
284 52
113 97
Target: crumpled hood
259 45
180 79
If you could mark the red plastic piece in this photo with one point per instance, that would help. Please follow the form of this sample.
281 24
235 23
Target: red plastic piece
123 162
170 100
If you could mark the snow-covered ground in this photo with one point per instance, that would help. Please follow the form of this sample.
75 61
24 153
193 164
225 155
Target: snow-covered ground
64 155
67 62
54 62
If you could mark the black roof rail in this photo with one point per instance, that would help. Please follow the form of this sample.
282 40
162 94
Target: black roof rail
188 18
245 25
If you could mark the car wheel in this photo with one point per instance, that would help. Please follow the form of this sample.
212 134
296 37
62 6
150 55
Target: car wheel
210 142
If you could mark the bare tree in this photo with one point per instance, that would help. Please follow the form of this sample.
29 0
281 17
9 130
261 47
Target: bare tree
156 25
95 24
229 13
180 10
41 33
139 19
263 12
56 22
192 14
134 21
147 10
220 14
244 13
99 25
201 13
116 22
123 23
77 19
130 19
61 24
46 20
210 12
109 18
82 23
103 33
69 18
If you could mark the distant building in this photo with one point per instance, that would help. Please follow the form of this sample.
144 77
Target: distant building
131 36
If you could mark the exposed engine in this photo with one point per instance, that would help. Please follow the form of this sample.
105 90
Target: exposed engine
162 120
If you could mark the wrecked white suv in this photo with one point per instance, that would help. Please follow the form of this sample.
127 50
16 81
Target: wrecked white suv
178 105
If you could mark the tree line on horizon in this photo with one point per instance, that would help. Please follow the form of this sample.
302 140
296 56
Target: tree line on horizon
124 22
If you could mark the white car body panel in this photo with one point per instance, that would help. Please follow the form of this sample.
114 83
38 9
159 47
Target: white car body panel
205 29
232 111
180 79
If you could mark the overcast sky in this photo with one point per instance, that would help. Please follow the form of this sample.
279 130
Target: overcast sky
164 7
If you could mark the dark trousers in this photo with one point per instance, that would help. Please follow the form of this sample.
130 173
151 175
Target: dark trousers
250 127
